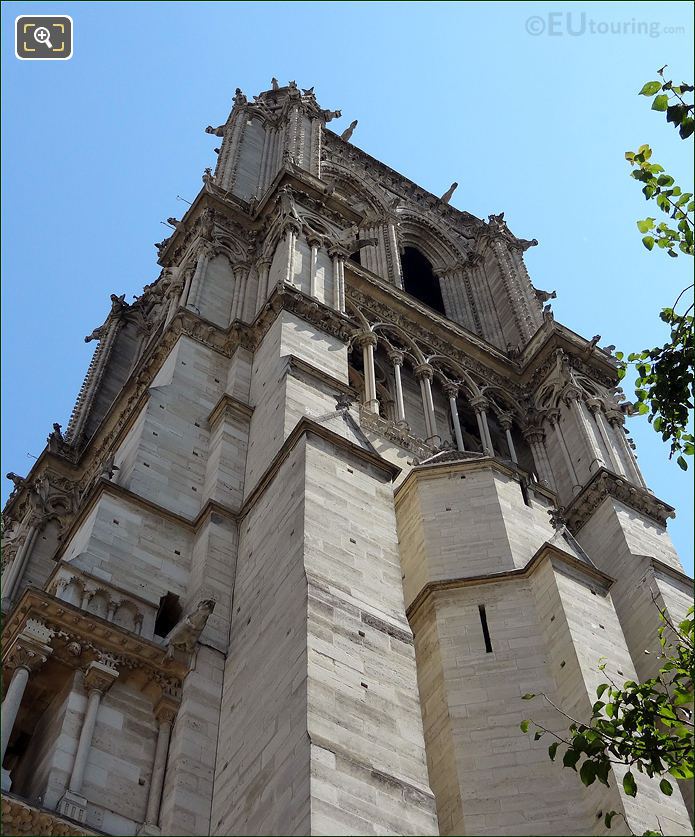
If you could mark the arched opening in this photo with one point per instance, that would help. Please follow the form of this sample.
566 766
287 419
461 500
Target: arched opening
419 279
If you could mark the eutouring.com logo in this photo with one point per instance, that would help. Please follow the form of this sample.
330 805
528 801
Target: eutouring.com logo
577 24
43 37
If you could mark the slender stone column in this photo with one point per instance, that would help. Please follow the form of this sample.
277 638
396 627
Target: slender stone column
338 257
241 272
28 653
596 409
196 281
396 359
263 269
535 436
424 374
576 404
14 574
314 244
617 421
165 714
97 681
506 422
554 418
480 405
452 391
368 341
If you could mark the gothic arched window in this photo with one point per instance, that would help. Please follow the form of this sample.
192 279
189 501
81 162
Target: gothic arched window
419 279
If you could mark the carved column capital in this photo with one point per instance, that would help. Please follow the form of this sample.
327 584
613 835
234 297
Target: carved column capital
506 420
533 434
450 389
616 418
166 710
99 677
423 371
366 338
396 357
28 655
480 403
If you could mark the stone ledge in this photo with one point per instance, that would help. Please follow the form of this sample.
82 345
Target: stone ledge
604 484
547 550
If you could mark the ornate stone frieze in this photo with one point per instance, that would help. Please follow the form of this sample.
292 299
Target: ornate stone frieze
606 484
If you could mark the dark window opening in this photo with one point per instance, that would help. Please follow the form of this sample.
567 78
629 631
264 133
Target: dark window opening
486 630
419 279
168 615
356 257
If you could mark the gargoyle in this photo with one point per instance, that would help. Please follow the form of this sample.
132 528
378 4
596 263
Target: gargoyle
544 296
218 132
17 480
329 115
446 197
184 635
347 133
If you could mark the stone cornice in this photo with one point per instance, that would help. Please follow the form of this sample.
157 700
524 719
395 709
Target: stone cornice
20 817
96 638
547 550
229 406
298 368
104 487
605 484
306 426
436 470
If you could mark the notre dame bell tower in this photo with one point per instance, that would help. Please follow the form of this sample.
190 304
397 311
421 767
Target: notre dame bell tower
336 492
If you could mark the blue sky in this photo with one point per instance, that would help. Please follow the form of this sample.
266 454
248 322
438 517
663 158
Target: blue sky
96 149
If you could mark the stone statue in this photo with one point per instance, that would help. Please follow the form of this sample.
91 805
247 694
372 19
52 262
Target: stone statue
287 205
446 197
608 349
329 115
160 245
544 296
184 635
108 468
309 92
218 132
239 98
207 175
174 222
497 222
526 243
347 133
17 480
274 83
118 304
55 438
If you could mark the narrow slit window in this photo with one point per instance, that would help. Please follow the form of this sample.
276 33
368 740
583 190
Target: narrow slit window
486 630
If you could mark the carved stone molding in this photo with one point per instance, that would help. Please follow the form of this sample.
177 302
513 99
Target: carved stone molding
606 484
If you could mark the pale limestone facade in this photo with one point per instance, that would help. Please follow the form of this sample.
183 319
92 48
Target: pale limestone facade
342 415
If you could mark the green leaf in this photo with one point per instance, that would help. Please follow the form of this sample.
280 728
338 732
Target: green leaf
629 785
646 225
666 787
552 750
608 818
682 464
570 758
523 726
648 242
660 103
528 696
650 88
587 773
538 734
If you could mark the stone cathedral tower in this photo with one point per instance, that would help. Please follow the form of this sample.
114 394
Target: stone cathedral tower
336 492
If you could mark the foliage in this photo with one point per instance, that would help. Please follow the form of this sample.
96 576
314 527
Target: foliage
665 386
648 727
